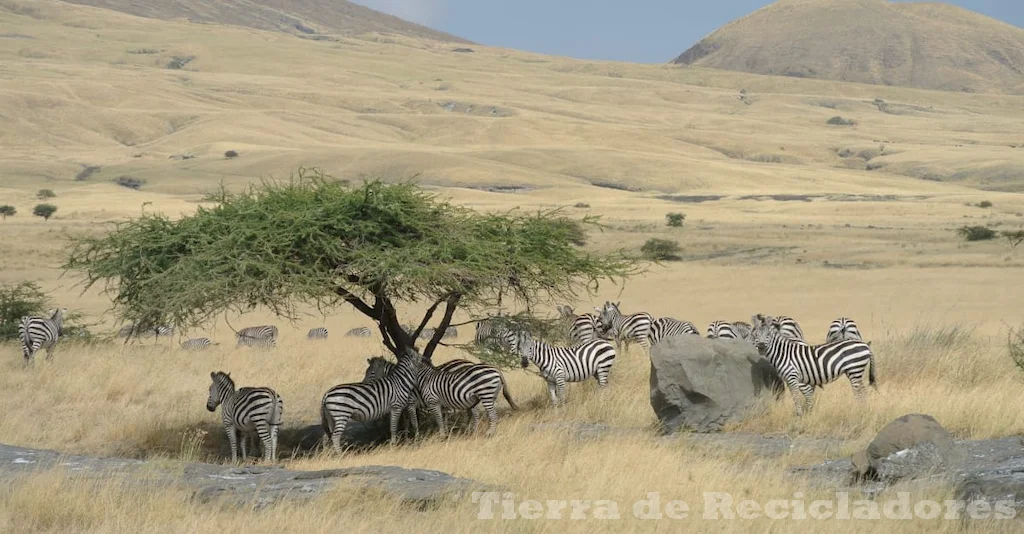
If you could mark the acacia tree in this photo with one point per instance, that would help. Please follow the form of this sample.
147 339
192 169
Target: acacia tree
315 240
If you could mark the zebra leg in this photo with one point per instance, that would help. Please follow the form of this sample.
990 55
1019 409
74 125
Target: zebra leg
244 444
338 431
395 414
233 440
475 414
439 415
857 383
552 390
492 416
265 434
414 421
273 442
560 387
808 393
49 351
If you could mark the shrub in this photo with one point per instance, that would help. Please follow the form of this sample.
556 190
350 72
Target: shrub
44 210
581 205
976 233
1015 345
674 219
839 121
230 154
1014 238
130 182
44 194
656 249
6 210
27 298
984 204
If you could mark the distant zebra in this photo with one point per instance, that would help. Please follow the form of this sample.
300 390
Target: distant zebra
361 331
804 367
624 328
257 336
247 410
665 327
131 330
392 394
41 332
788 325
722 330
449 333
579 328
559 365
198 343
843 328
319 332
489 331
743 330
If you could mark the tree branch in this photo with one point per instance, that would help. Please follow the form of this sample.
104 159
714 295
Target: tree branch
426 317
451 303
356 302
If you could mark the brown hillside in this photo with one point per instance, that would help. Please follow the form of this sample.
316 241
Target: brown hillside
300 17
924 45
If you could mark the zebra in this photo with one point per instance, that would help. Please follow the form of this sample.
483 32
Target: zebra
665 327
804 367
392 394
788 325
457 384
362 331
843 328
257 336
198 343
41 332
742 330
579 328
319 332
624 328
131 330
722 330
574 363
449 333
247 410
489 331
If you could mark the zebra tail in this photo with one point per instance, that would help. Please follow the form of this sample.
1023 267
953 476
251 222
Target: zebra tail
871 372
275 413
505 393
23 334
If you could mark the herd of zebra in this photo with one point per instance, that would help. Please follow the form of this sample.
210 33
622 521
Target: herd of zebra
263 335
413 383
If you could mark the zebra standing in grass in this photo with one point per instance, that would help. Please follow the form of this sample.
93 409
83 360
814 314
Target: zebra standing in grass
665 327
559 365
624 328
198 343
257 336
804 367
843 328
319 332
392 394
361 331
722 330
247 410
579 328
787 325
41 332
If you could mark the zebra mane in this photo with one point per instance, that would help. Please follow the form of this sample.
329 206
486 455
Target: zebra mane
221 376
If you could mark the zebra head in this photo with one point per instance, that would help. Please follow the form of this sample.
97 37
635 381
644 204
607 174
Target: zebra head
525 346
606 315
221 387
566 312
376 368
764 334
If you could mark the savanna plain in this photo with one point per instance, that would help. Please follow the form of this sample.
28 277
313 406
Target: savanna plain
785 214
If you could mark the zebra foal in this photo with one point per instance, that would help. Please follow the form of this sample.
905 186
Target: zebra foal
804 367
257 336
38 333
247 410
559 365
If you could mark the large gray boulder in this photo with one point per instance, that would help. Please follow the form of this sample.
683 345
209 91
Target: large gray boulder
910 446
701 384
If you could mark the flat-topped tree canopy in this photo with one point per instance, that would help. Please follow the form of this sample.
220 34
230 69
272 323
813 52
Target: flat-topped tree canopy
317 240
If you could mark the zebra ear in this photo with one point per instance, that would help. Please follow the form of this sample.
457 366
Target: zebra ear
213 374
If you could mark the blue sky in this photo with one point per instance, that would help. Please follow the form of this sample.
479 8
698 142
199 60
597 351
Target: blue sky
644 31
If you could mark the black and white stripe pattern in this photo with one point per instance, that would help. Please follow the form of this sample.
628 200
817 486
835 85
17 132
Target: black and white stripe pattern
490 332
665 327
743 330
843 328
450 332
40 332
624 328
579 328
788 325
804 367
392 394
559 365
319 332
257 336
247 410
361 331
198 343
721 330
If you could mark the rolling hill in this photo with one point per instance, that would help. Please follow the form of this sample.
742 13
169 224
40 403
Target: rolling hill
924 45
307 18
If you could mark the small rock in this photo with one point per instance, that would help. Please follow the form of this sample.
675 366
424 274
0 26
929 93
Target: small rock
909 446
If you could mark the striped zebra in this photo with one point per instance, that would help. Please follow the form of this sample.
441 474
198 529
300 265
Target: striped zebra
743 330
198 343
41 333
319 332
559 365
450 332
378 367
362 331
624 328
488 331
665 327
454 385
788 325
247 410
392 394
722 330
257 336
804 367
579 328
843 328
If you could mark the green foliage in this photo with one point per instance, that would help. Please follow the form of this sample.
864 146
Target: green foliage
27 298
7 210
656 249
984 204
44 194
976 233
1014 237
839 121
44 210
551 330
315 240
1015 347
674 219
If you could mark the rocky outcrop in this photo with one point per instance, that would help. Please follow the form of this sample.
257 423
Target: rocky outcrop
701 384
909 446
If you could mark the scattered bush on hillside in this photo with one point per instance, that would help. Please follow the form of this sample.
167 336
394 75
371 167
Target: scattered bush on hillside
179 62
656 249
1015 346
86 172
674 219
44 194
44 210
130 182
230 154
1014 238
839 121
984 204
976 233
6 210
581 205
